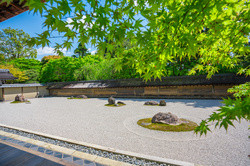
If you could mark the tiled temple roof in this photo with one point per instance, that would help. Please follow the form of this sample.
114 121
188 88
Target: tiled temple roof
6 75
166 81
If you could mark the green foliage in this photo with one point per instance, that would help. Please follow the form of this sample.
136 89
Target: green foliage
102 70
58 70
233 110
33 75
27 64
14 44
208 31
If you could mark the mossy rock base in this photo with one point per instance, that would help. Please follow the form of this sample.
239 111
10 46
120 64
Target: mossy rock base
156 105
74 98
189 126
112 105
15 102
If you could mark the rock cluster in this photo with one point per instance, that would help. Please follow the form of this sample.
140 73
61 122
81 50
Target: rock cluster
82 96
111 101
166 118
20 98
151 103
162 103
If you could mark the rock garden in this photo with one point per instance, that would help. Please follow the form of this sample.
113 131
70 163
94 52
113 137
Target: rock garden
20 99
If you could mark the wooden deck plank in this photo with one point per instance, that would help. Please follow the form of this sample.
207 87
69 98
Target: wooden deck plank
12 156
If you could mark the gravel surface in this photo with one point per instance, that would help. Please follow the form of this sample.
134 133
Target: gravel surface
90 121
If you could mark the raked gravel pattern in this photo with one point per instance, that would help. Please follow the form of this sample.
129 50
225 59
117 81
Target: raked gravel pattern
90 121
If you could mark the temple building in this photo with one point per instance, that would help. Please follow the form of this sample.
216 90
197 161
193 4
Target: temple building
5 75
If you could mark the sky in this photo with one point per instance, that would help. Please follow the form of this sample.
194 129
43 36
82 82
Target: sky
33 24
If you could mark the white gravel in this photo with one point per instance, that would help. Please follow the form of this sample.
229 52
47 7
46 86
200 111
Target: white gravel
90 121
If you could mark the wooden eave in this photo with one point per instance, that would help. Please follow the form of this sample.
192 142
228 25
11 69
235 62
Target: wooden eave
11 10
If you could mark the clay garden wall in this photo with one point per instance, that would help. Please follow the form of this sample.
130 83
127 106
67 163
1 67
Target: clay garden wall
9 91
197 91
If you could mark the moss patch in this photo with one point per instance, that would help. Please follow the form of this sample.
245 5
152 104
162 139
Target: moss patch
74 98
14 102
165 127
112 105
151 105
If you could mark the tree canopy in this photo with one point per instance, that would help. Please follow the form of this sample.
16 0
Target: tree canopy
14 44
211 32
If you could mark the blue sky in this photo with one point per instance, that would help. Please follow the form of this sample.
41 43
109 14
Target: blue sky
32 24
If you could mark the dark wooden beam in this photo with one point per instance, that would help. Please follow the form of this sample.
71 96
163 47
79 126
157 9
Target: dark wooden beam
17 6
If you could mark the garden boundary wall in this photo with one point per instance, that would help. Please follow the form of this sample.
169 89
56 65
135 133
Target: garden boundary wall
9 91
169 87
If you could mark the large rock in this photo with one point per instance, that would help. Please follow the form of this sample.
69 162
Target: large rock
111 100
151 103
20 98
82 96
162 103
166 118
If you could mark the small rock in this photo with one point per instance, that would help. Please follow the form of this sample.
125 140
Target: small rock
166 118
162 103
120 102
82 96
72 97
111 100
20 98
116 105
151 103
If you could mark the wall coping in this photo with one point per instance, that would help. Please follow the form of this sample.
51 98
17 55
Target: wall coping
217 79
20 85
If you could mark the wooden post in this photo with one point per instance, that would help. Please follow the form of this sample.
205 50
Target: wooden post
3 94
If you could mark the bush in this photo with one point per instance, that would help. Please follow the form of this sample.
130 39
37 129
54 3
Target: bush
63 69
102 70
27 64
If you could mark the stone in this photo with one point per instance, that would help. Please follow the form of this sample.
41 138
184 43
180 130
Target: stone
37 95
116 105
82 96
166 118
111 100
151 103
72 97
120 102
20 97
162 103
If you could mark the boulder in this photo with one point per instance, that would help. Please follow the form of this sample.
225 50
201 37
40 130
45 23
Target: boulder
111 100
162 103
166 118
120 102
20 98
151 103
82 96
